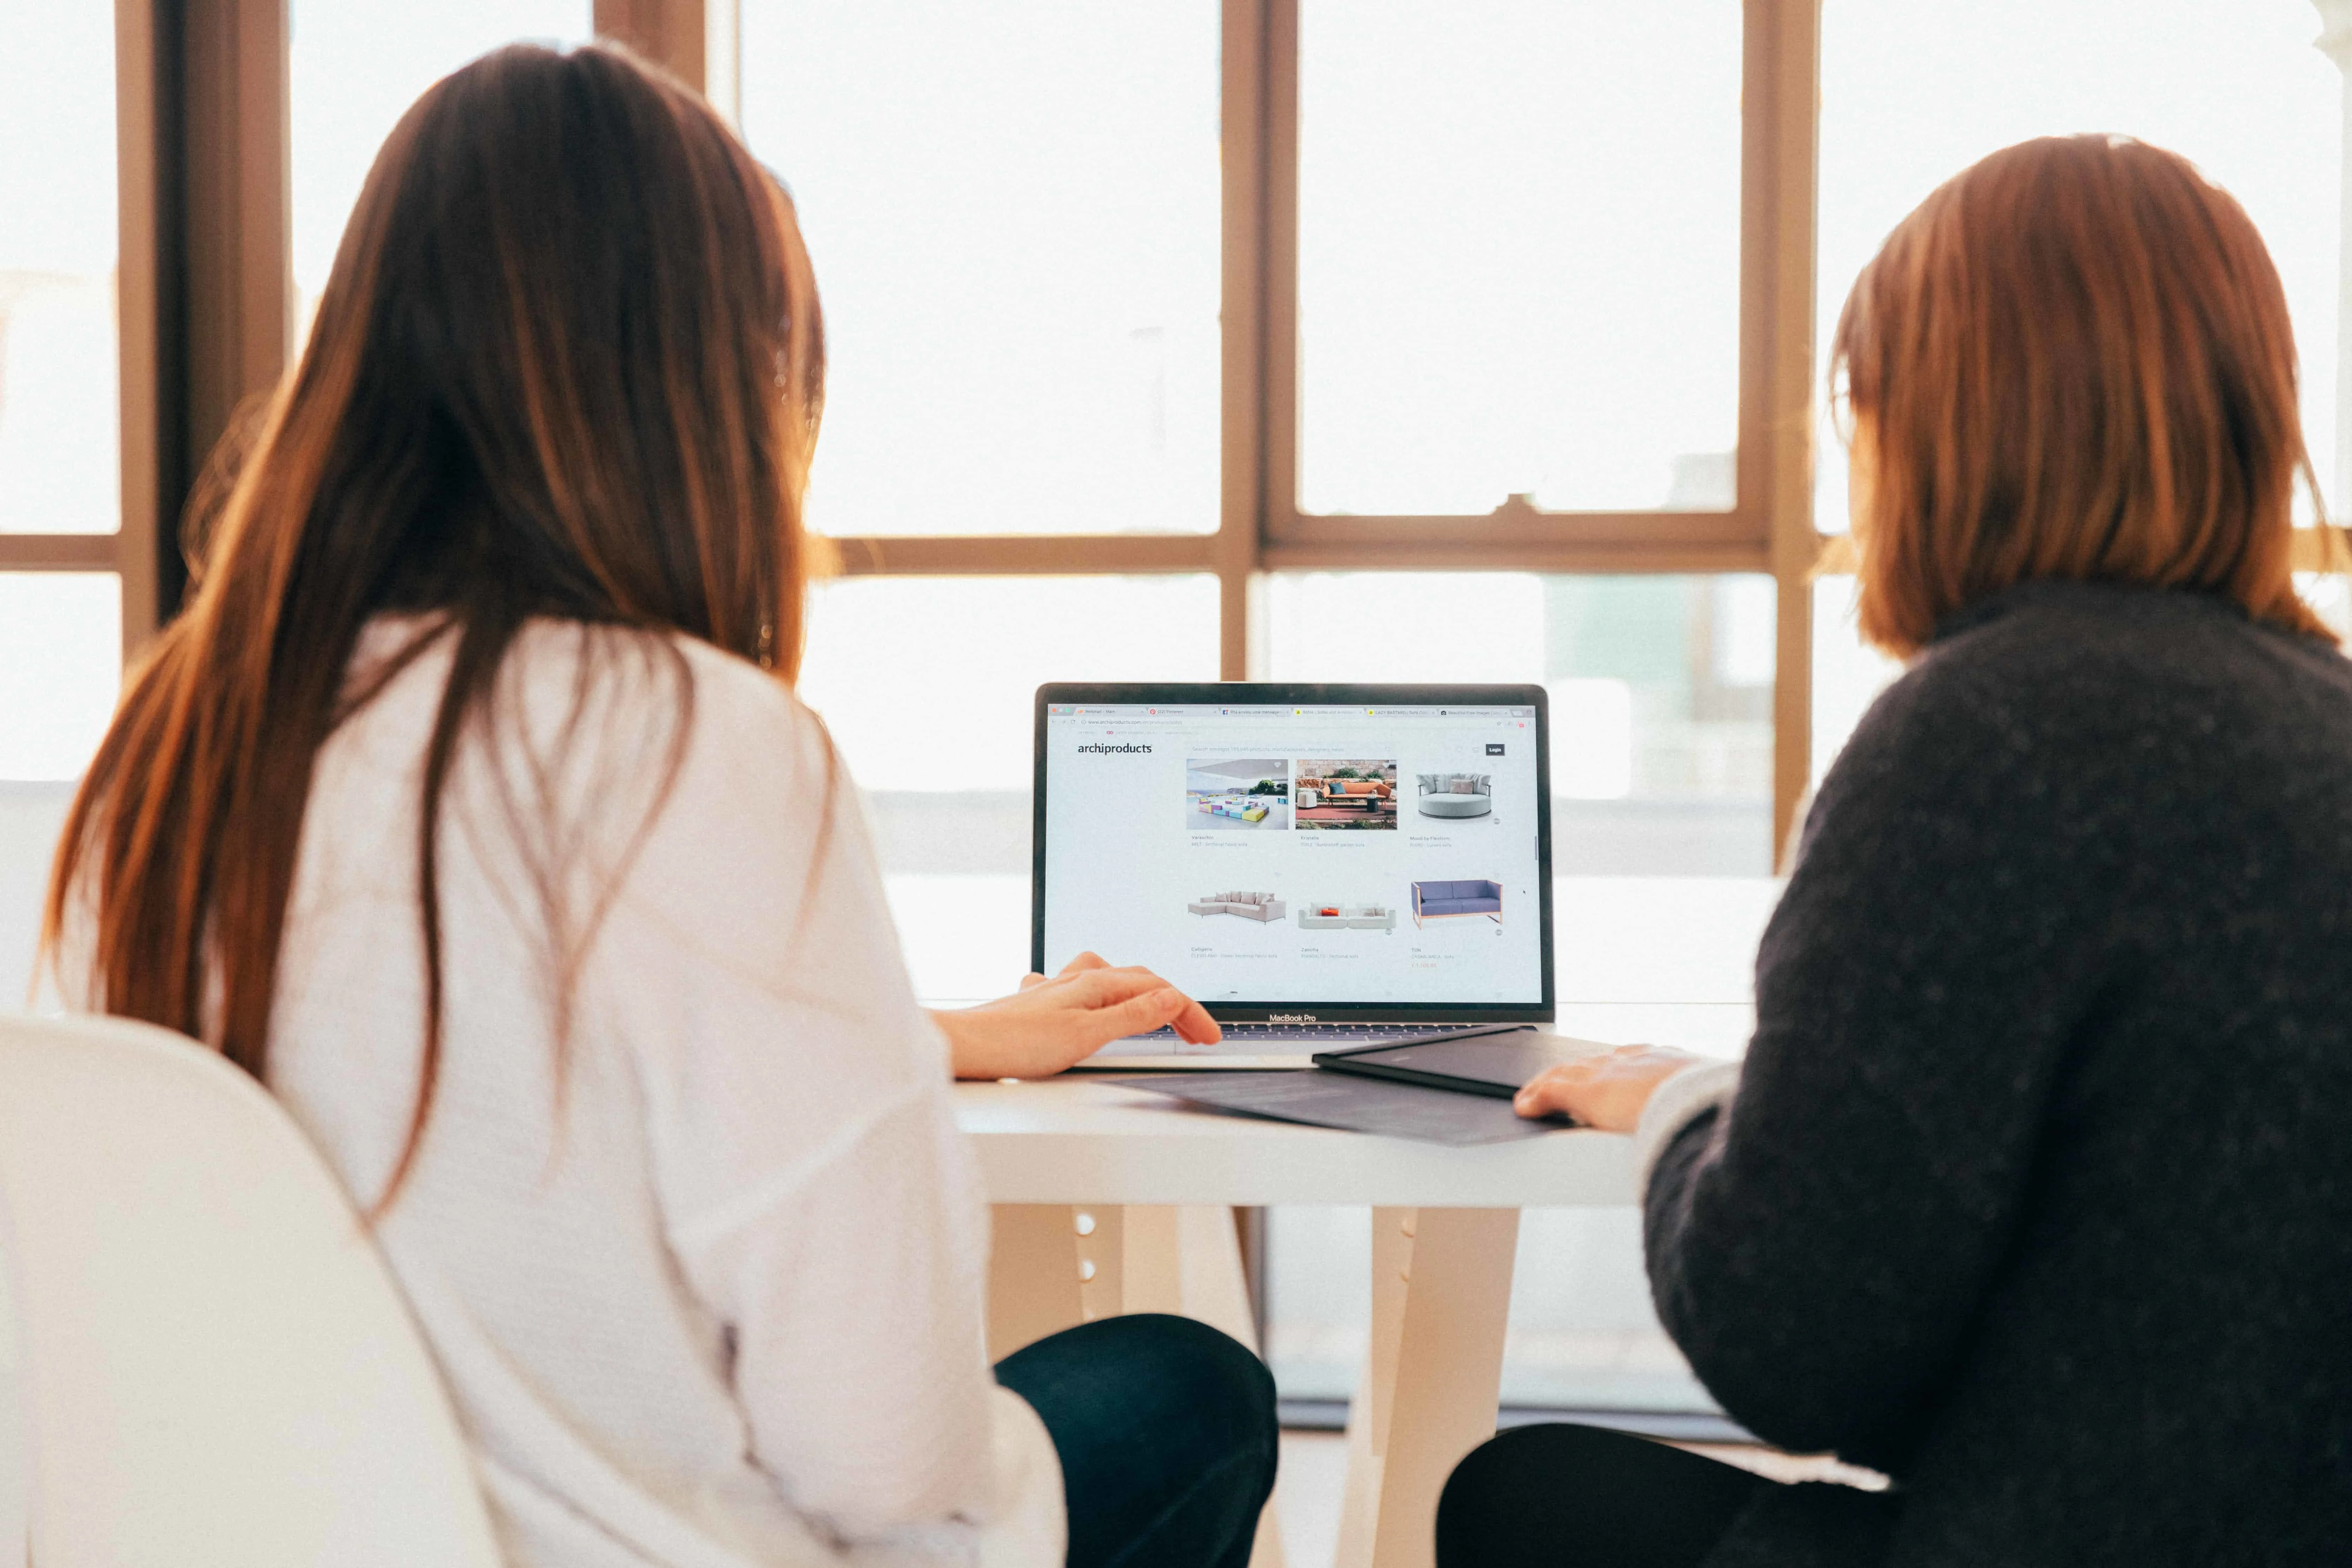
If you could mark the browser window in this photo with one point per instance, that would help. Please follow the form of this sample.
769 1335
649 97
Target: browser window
1281 854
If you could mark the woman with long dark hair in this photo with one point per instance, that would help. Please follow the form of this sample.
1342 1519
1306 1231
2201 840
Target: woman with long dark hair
468 807
2031 1191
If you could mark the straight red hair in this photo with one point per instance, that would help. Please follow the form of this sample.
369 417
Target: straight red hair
2073 360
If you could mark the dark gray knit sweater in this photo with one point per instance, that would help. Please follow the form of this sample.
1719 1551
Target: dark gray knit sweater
2036 1192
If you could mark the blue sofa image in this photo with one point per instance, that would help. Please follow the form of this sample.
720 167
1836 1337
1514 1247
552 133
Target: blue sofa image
1444 901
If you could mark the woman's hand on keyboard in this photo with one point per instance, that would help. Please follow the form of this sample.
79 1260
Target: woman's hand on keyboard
1051 1024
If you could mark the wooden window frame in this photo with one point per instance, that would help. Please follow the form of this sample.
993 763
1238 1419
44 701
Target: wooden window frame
206 300
1260 529
203 286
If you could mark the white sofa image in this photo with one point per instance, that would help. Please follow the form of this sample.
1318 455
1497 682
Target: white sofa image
1249 906
1354 917
1455 795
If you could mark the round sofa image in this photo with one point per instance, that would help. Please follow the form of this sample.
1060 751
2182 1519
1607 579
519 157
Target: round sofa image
1455 795
1249 906
1352 917
1456 900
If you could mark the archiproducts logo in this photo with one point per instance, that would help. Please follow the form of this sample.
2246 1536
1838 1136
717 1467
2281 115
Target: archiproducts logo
1099 746
1290 1018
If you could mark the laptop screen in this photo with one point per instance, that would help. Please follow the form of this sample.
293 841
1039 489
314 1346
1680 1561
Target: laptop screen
1383 856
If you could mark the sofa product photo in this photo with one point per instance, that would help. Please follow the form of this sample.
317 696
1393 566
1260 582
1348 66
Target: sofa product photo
1249 906
1455 795
1452 900
1353 917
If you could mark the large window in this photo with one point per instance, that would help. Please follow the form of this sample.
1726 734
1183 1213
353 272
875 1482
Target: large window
1187 339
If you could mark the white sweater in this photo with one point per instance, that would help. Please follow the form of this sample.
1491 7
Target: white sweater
724 1308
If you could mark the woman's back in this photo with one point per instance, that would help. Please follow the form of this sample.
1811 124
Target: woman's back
632 1265
2033 1191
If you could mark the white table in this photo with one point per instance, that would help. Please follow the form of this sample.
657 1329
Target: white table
1117 1200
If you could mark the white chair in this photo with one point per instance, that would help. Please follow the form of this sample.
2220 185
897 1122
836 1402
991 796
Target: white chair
212 1367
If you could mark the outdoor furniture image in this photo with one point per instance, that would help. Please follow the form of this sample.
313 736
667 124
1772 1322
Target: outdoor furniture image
1448 900
1228 793
1363 794
1353 917
1249 906
1457 794
1346 794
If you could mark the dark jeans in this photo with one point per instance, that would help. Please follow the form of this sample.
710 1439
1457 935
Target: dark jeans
1166 1431
1562 1496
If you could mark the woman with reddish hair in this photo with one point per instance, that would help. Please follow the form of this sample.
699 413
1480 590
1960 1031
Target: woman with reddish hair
2030 1192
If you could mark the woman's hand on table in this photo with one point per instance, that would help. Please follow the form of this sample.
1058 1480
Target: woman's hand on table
1607 1090
1051 1024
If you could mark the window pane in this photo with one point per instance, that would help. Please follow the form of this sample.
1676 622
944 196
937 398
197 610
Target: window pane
1519 254
1912 92
60 670
355 68
59 425
927 686
1661 694
1014 211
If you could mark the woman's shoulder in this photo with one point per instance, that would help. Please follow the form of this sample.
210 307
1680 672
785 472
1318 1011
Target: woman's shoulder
2093 634
2082 662
711 795
648 756
2090 692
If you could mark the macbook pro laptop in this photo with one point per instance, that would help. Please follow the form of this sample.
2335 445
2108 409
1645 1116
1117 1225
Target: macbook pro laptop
1322 867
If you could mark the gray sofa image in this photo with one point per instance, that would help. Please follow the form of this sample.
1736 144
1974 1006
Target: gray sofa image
1450 901
1354 917
1249 906
1455 795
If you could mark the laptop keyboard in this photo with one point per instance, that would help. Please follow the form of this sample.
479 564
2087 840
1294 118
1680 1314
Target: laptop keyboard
1324 1035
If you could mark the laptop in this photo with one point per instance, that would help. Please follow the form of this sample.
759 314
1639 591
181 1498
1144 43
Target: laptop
1324 868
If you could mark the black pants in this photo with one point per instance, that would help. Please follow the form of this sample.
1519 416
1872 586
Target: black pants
1562 1496
1167 1435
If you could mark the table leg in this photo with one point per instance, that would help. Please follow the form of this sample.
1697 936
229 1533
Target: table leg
1054 1266
1441 1301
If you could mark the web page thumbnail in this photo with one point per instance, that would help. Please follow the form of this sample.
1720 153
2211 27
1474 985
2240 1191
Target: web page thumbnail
1246 794
1452 900
1344 793
1454 796
1250 905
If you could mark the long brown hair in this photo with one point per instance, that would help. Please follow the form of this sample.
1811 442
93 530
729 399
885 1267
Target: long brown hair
569 363
2073 360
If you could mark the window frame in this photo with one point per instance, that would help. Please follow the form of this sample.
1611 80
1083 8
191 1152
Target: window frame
203 290
1260 526
206 300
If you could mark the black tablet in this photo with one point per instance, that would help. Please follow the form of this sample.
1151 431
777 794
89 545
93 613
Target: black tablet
1492 1065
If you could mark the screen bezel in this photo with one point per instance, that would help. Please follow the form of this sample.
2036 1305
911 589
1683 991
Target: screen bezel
1304 695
